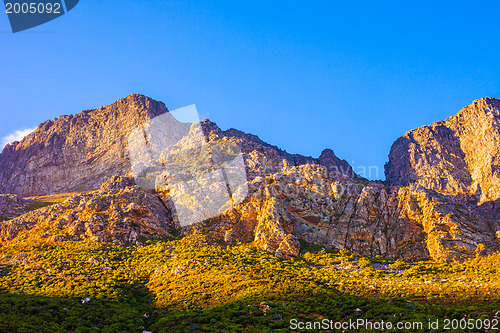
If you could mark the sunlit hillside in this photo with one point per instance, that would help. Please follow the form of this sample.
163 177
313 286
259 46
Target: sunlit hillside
190 285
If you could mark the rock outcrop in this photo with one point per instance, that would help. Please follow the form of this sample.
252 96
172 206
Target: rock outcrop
12 205
118 212
318 205
459 156
442 202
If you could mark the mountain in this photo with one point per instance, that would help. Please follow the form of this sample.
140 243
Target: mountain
430 209
457 156
80 152
459 159
75 153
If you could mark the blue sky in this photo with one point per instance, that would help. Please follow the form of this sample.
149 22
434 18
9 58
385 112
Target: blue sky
303 75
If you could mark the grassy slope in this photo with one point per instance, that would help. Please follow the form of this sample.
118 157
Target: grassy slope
189 285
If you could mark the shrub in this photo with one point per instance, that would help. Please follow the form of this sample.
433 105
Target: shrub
399 264
364 263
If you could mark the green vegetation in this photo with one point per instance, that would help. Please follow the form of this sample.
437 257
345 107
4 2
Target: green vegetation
48 200
38 205
190 285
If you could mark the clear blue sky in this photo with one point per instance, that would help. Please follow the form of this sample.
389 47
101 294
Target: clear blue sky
304 75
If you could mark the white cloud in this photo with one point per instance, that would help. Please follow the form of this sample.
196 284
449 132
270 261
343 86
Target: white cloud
15 136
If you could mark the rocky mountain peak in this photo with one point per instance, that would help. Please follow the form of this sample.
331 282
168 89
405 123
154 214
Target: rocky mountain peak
75 152
80 152
457 156
484 105
329 159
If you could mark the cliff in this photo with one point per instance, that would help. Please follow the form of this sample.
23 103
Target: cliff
457 156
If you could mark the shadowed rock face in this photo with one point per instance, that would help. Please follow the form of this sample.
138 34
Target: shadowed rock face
118 212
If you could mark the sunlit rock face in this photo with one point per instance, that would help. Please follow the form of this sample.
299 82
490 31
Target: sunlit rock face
459 159
75 153
119 212
80 152
313 203
442 201
457 156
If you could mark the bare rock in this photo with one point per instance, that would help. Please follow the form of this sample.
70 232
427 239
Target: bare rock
119 212
324 207
262 158
459 156
12 205
75 153
78 153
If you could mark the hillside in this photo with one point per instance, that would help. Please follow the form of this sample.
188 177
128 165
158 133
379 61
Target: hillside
290 197
190 285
